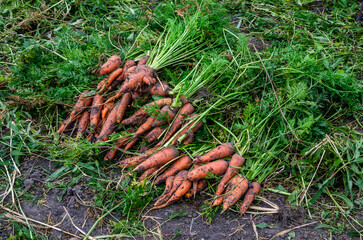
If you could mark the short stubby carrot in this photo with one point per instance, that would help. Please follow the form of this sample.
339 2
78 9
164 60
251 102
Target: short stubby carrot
159 159
83 102
182 163
154 134
83 123
125 101
239 187
112 63
217 168
133 161
143 60
161 89
222 151
120 78
178 194
185 110
250 195
166 114
95 115
141 113
236 161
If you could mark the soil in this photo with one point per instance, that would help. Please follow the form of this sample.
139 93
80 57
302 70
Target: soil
48 207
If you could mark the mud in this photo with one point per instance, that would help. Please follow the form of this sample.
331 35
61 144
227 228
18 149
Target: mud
181 220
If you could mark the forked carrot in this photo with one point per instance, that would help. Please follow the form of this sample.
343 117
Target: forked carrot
250 195
180 164
200 186
178 194
168 184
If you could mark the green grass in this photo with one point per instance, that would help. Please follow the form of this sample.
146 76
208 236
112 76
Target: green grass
302 121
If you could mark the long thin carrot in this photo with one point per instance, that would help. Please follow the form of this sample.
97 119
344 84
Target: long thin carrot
67 123
101 84
141 113
106 110
186 110
133 161
148 173
250 195
146 126
217 168
162 157
240 187
109 126
222 151
125 101
96 109
167 116
178 194
153 135
120 78
130 144
83 123
112 63
112 153
180 164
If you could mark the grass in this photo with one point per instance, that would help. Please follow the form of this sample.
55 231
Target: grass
296 113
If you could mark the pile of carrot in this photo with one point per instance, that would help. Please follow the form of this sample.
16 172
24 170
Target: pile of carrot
161 127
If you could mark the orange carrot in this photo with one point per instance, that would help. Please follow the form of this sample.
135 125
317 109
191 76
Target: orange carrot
143 60
222 151
141 113
67 123
189 139
168 184
250 195
119 143
112 63
101 84
112 77
162 89
186 110
148 173
154 134
133 161
97 105
240 186
146 126
83 102
236 161
109 126
125 101
181 164
218 201
217 168
162 157
130 144
83 123
179 178
120 78
167 116
177 195
106 109
143 148
188 128
200 186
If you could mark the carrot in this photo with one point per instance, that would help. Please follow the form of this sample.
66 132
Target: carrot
218 201
200 185
112 77
130 144
83 102
143 148
97 105
236 161
148 173
162 89
112 63
154 134
125 101
83 123
109 125
119 143
168 184
146 126
177 195
181 164
189 139
162 157
239 187
101 84
250 195
222 151
188 128
106 109
133 161
218 168
167 116
67 123
143 60
186 110
179 178
141 113
120 78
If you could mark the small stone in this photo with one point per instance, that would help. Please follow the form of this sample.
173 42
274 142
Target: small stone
28 182
190 215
